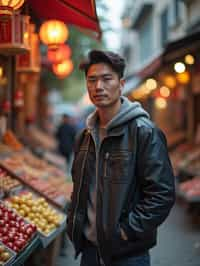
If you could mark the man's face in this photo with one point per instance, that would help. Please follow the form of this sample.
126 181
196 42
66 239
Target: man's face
103 84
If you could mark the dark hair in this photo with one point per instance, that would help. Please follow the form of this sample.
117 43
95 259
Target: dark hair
116 62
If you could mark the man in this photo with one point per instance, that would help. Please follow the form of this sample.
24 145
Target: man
65 135
123 179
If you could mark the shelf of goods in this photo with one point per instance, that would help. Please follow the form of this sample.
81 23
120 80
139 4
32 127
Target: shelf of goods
8 184
183 153
190 190
48 220
25 210
35 193
18 238
41 176
186 161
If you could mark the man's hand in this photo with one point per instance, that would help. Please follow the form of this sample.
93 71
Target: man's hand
123 234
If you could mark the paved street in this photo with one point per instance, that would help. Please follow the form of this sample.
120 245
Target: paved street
178 242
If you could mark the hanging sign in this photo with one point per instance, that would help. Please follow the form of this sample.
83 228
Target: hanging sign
14 35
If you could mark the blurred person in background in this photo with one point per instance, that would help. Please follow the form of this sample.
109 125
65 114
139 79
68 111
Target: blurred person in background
123 179
65 135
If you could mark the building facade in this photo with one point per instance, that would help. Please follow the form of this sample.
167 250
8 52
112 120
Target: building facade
156 35
148 25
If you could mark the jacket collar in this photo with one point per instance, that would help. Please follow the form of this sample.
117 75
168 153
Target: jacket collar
117 131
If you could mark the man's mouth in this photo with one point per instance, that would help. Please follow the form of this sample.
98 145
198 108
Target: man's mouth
99 96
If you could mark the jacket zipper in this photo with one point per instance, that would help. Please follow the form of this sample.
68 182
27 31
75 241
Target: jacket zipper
105 167
97 168
81 182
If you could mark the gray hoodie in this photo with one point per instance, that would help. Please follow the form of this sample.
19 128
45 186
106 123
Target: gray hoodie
128 111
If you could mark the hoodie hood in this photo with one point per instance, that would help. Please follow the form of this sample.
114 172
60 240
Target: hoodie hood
128 111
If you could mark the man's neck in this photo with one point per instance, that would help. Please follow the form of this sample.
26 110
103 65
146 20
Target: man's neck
106 114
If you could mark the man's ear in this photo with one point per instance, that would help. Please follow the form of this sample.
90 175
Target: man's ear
122 83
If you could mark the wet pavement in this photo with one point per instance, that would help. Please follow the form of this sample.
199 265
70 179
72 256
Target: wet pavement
178 242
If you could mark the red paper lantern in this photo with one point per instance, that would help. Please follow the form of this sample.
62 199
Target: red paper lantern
60 54
8 6
63 69
53 32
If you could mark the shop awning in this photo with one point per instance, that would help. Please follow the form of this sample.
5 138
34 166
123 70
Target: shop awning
178 48
79 13
173 51
150 68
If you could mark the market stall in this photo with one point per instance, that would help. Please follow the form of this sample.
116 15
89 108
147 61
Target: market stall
34 192
34 188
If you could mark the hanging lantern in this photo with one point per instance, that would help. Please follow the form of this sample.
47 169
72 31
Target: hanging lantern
19 99
53 33
60 54
8 6
63 69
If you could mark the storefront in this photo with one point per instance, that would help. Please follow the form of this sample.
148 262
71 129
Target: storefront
34 188
169 90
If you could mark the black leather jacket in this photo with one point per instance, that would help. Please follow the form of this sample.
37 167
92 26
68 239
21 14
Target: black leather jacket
135 189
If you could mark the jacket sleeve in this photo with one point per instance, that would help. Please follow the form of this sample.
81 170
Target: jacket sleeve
156 184
70 209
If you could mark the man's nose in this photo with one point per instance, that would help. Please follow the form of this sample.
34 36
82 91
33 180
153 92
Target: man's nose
99 84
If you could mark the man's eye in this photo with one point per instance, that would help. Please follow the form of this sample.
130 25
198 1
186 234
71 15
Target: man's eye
91 80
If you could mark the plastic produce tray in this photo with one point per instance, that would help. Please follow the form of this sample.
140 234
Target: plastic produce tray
10 251
47 239
22 257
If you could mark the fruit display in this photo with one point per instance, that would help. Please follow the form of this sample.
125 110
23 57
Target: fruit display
191 188
4 148
14 163
15 233
42 165
182 156
193 166
5 255
49 181
38 138
37 211
7 182
34 161
10 139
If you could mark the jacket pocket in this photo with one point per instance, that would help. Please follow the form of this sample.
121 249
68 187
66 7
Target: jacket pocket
116 166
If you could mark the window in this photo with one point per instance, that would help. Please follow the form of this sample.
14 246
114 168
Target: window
146 39
176 11
164 27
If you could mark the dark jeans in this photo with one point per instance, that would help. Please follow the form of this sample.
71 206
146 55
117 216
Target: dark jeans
90 258
142 260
